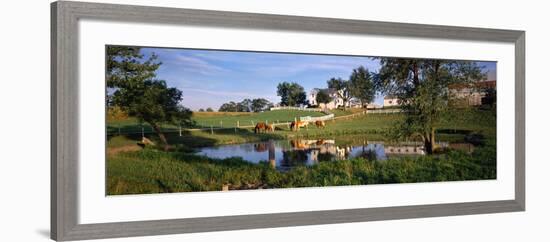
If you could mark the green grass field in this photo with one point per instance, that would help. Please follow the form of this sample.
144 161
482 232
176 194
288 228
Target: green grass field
215 119
341 112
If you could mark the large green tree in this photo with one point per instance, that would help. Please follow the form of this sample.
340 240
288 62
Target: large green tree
422 86
362 85
323 97
342 88
131 78
292 94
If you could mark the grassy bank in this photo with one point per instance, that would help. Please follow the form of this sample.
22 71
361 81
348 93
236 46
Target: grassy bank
152 171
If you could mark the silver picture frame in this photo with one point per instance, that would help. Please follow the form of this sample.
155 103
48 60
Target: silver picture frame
64 118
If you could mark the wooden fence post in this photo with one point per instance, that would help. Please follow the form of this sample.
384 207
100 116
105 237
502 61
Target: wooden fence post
211 129
180 129
238 124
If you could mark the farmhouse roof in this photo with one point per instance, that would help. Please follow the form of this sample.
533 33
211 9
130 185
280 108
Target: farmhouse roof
479 84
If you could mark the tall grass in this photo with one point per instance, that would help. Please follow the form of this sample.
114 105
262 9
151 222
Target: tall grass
152 171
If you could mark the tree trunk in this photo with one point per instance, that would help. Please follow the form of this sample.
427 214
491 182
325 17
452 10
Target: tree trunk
160 134
432 140
429 142
427 145
416 80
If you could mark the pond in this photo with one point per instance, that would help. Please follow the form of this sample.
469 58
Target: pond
284 154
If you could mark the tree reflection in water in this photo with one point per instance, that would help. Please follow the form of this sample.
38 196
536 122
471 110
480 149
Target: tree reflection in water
294 157
367 154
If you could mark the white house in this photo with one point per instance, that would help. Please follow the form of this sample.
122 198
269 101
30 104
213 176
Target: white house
336 100
373 106
333 94
463 94
471 95
391 101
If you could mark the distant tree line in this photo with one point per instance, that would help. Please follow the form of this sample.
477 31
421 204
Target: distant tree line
209 109
246 105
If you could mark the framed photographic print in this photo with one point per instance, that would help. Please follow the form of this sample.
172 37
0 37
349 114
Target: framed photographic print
170 120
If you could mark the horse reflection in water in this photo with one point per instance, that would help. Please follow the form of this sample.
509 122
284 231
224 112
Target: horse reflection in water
302 152
310 152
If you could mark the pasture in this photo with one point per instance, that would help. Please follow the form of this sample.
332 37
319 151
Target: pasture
131 130
217 119
132 170
214 120
348 111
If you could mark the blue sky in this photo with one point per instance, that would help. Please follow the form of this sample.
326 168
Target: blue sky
209 78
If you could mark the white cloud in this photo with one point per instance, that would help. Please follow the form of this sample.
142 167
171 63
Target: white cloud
194 64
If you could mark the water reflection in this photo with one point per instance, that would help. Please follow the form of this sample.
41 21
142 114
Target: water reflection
284 154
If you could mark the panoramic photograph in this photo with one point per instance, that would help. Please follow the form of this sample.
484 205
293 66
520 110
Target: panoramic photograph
193 120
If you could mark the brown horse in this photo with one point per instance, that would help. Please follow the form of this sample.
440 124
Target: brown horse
259 127
296 125
320 124
261 147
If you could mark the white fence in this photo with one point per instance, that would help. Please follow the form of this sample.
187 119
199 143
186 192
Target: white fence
313 119
297 108
385 111
395 110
